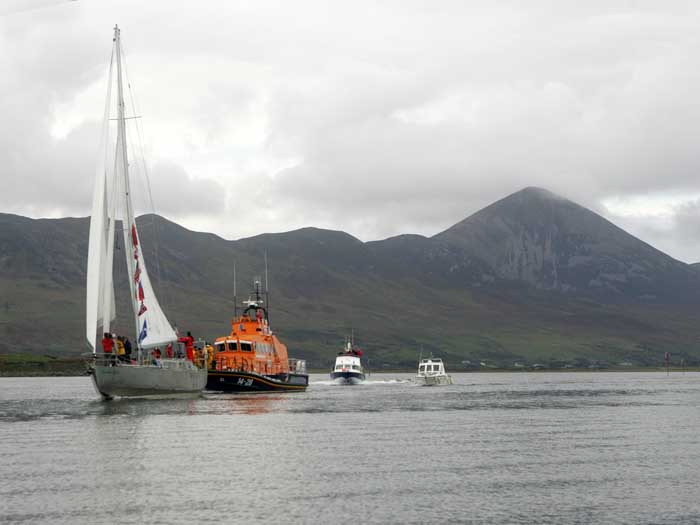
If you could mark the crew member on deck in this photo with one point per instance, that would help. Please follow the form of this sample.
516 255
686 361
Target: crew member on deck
210 355
127 349
107 343
156 357
189 345
121 350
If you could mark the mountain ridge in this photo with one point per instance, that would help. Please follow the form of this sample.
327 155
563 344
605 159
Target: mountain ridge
517 280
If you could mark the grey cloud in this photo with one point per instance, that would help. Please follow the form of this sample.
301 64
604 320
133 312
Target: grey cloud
180 196
399 116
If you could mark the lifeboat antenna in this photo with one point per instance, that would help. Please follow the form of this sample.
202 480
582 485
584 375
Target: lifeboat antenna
235 300
267 290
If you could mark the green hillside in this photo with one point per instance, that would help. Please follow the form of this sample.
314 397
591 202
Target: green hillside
505 286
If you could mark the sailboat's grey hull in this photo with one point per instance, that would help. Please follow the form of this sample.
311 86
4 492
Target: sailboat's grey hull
147 381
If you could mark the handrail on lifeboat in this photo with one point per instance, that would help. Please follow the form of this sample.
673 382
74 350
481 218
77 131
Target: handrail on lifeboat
297 366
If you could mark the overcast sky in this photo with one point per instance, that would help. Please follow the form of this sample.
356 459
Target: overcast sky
375 118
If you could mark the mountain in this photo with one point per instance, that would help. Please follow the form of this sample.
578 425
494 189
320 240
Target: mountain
531 278
551 243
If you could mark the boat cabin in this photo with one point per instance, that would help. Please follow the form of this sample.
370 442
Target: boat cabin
431 366
348 359
251 346
346 362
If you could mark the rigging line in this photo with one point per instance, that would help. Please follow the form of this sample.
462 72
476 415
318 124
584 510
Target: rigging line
132 98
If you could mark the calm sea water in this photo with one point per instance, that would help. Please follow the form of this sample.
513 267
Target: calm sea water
493 448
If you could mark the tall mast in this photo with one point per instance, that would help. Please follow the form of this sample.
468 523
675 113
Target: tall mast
124 158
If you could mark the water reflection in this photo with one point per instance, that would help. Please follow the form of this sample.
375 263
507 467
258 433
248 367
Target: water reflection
249 404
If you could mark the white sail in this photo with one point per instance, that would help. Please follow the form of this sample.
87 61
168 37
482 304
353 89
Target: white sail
112 201
97 252
100 290
154 329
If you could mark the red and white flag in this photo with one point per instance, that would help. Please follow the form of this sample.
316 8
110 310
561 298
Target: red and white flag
134 237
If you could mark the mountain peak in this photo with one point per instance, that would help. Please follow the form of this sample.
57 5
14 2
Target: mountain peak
535 192
550 242
538 192
532 196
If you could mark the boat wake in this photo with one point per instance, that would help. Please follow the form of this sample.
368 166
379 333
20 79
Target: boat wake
366 382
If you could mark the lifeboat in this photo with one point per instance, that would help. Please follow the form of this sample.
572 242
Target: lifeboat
348 368
251 358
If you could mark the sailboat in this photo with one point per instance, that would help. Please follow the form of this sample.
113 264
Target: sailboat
153 371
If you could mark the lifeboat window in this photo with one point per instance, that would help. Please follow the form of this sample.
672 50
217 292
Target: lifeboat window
246 347
422 368
220 347
232 345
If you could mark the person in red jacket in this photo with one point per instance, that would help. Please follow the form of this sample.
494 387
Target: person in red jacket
189 345
108 347
107 343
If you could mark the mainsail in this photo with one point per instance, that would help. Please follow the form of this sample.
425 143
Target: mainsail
112 202
100 310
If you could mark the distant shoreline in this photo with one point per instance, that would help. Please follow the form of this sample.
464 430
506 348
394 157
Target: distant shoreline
47 366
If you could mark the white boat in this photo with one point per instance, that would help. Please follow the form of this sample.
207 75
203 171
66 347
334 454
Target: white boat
146 374
431 372
348 368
